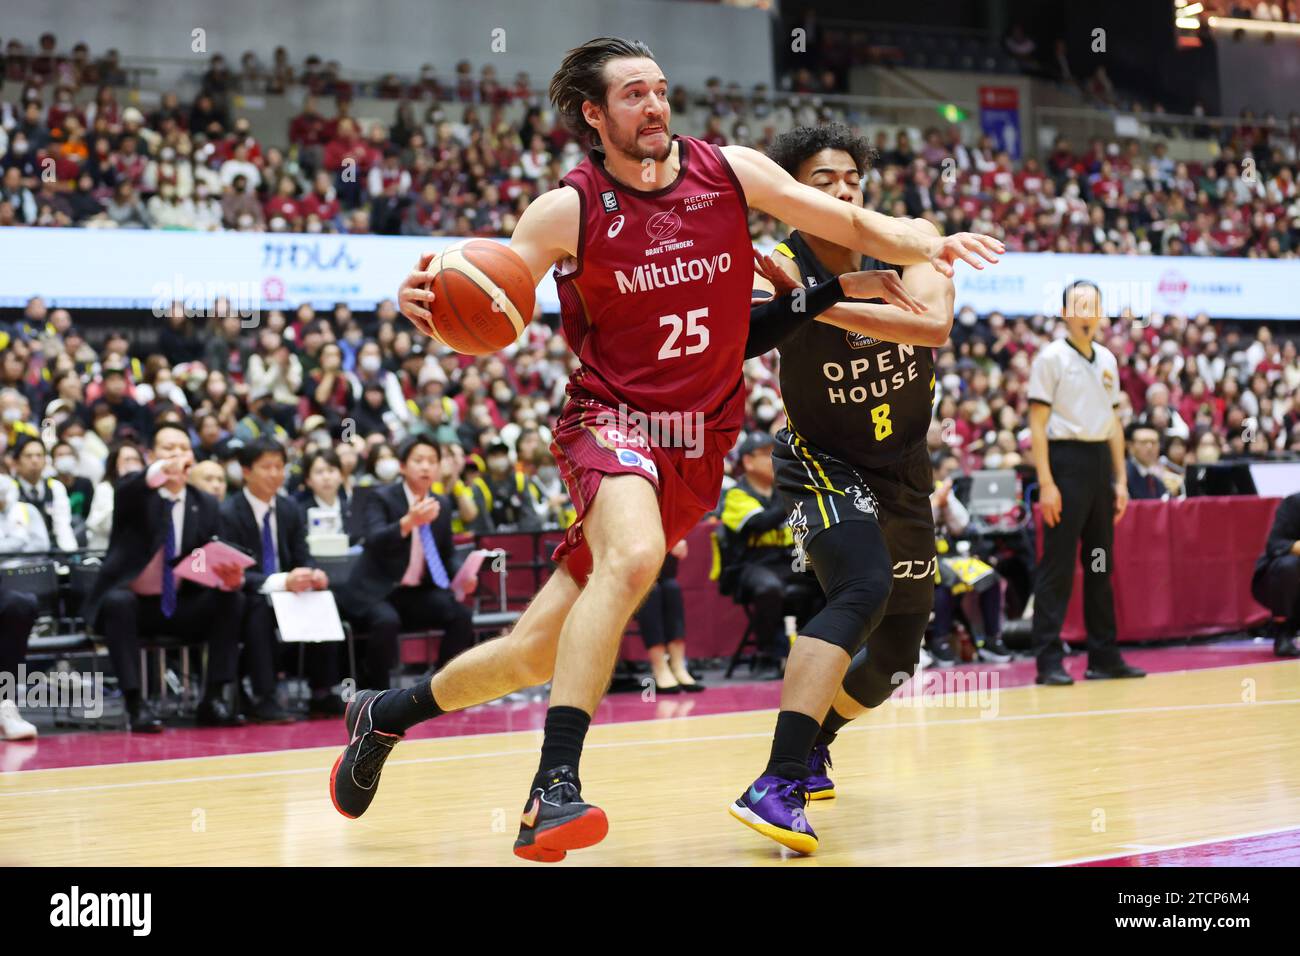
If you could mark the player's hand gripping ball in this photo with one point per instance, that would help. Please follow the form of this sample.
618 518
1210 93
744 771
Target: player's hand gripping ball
476 296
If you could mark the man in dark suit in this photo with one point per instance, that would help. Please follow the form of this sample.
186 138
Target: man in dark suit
156 519
270 526
402 579
1276 581
1144 463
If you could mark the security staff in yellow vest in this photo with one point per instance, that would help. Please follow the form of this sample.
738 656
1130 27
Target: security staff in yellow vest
48 496
258 423
758 558
21 529
451 466
507 499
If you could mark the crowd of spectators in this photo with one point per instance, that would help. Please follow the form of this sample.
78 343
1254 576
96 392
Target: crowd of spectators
1204 391
449 163
342 390
1280 11
341 397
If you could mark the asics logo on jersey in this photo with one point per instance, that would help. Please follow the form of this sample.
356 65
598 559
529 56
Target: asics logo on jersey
616 226
655 276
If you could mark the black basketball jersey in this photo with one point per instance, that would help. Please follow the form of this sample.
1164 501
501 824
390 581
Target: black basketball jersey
855 397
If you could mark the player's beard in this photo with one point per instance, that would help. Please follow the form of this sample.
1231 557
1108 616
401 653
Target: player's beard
629 144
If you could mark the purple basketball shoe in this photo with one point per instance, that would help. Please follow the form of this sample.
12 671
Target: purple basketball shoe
817 783
774 806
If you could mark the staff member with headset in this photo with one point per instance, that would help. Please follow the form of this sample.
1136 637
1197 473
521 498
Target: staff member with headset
1078 447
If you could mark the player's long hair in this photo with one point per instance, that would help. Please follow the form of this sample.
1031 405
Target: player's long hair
581 77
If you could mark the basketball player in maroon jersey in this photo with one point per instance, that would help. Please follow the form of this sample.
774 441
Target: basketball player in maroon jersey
657 307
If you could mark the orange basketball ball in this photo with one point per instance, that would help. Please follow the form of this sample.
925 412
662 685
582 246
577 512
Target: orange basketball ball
483 296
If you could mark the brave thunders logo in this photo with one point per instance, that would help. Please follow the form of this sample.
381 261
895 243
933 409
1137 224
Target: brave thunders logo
662 226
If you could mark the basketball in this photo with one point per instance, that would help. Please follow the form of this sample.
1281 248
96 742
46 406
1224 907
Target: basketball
483 297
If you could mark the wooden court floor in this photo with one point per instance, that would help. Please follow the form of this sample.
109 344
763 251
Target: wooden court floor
1057 775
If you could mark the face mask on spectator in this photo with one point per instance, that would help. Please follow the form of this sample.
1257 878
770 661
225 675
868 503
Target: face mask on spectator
12 414
234 473
320 437
370 363
18 148
386 469
548 475
78 442
65 464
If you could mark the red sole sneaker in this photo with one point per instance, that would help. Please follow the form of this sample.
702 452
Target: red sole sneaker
587 830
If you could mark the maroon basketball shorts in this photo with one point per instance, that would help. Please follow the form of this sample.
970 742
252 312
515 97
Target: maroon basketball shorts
591 442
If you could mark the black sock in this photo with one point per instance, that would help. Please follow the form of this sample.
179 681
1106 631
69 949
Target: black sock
400 710
132 701
566 729
795 733
831 726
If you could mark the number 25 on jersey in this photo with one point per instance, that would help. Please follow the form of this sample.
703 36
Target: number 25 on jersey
700 334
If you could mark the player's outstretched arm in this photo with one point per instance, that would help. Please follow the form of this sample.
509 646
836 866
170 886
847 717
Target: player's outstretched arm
931 289
770 188
546 233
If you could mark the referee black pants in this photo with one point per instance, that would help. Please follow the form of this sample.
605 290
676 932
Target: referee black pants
1277 587
1083 473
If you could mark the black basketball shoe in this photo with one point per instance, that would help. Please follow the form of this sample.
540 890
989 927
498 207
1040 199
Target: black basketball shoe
355 777
556 819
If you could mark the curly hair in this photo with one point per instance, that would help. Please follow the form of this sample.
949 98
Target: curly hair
790 150
581 77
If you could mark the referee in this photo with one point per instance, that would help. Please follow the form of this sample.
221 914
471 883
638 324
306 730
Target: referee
1078 447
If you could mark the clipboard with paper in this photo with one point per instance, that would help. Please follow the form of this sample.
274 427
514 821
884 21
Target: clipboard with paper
200 565
306 617
469 571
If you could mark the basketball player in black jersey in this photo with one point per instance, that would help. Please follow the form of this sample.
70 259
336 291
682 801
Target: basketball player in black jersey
853 469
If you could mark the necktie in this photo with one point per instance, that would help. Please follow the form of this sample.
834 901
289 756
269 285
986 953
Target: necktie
268 545
431 557
169 556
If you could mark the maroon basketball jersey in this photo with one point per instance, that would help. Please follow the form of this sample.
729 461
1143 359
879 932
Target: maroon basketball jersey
657 308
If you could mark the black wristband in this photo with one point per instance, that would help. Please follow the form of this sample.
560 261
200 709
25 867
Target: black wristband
772 322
